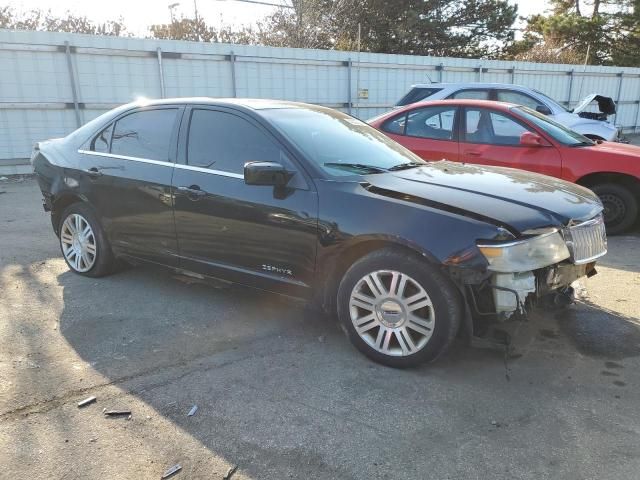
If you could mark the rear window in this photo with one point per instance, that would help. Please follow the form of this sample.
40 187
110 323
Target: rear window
417 94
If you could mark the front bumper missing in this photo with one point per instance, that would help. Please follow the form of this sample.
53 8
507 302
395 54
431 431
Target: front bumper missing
505 295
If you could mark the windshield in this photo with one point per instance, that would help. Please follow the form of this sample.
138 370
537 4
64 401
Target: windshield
559 132
339 144
551 100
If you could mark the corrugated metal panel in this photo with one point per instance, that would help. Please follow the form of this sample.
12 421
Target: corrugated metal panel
36 96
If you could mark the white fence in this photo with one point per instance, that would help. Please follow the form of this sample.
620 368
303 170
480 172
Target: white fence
50 83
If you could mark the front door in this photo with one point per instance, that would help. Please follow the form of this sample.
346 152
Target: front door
128 168
490 137
257 235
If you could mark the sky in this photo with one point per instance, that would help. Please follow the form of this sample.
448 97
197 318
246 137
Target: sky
138 14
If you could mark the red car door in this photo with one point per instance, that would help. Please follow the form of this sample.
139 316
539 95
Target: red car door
489 137
428 132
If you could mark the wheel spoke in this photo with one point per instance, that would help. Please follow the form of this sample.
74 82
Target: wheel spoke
419 325
365 327
363 301
91 248
68 223
86 259
66 237
404 339
78 223
77 261
86 233
395 276
372 285
362 320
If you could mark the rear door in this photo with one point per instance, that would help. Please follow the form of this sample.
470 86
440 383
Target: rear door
127 174
257 235
429 132
489 137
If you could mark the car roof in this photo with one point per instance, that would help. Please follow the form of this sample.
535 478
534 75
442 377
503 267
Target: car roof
468 85
434 103
250 103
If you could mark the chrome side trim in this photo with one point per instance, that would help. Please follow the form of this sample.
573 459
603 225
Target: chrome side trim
125 157
165 164
209 171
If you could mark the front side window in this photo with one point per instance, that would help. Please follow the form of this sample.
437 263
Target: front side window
144 134
471 95
518 98
435 123
485 126
223 141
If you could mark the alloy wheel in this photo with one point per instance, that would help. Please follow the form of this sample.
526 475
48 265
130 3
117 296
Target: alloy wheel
78 243
392 313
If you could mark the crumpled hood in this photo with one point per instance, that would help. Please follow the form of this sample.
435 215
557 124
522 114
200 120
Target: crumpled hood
606 105
514 199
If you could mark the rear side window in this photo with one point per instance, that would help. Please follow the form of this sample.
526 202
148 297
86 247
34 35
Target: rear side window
223 141
471 95
395 125
417 94
435 123
102 142
144 134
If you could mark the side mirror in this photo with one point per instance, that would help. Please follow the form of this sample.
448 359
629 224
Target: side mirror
530 139
266 173
543 109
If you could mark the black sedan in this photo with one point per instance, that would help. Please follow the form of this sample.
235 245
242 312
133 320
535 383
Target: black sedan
309 202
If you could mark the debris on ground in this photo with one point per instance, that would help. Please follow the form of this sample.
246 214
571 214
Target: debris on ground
171 471
87 401
321 338
3 179
116 413
230 472
193 411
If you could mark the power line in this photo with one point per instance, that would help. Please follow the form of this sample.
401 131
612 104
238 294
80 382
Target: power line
259 2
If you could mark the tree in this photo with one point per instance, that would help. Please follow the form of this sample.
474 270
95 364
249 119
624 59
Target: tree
46 21
419 27
602 32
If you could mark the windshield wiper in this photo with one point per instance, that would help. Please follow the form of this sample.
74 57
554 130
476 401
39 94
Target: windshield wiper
404 166
583 144
358 167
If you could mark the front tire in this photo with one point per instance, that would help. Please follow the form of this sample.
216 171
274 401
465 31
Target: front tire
83 242
620 207
398 309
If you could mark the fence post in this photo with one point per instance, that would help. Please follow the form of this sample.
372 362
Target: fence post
478 70
621 75
513 74
635 125
161 72
440 69
349 99
232 62
570 73
72 80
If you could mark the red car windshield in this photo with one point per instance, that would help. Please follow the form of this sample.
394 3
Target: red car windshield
556 130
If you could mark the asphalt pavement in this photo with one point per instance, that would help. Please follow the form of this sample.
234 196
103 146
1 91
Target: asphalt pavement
280 391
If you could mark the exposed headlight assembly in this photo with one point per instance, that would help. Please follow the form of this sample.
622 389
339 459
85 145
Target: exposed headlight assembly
540 251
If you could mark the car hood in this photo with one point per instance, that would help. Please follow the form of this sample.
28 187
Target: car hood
606 105
506 197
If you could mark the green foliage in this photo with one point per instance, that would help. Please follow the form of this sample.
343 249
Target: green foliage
46 21
602 32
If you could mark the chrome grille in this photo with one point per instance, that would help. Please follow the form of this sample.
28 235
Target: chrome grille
587 241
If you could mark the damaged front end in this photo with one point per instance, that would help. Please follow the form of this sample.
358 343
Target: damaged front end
606 107
540 266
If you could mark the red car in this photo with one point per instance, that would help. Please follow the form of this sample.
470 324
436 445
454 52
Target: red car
508 135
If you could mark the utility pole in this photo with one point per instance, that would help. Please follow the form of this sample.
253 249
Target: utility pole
195 11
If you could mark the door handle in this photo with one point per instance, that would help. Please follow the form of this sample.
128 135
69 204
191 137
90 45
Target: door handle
473 153
94 172
194 192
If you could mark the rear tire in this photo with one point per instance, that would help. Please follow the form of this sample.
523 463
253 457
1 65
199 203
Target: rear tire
620 207
83 242
397 309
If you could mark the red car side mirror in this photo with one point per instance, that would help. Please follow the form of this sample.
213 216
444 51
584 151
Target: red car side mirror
530 139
